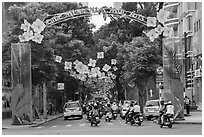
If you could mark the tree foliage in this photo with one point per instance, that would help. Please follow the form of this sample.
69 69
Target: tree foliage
69 39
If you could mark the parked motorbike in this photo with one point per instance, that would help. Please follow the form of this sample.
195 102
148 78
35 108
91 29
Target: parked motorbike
167 121
94 120
108 117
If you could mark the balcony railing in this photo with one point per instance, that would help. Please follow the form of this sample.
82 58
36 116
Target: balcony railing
170 4
172 21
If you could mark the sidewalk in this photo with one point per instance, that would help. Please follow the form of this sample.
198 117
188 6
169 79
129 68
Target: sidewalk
7 123
195 117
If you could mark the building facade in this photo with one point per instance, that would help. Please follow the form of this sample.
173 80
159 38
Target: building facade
186 20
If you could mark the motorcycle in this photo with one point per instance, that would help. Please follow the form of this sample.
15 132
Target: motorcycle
89 115
115 114
167 120
101 113
95 120
108 117
137 119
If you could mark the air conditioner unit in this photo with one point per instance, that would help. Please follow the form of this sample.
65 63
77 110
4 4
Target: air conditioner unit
197 73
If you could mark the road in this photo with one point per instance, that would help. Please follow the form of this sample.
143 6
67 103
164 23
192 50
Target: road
115 127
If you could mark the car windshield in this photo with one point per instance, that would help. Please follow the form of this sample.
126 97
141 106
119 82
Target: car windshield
71 105
152 103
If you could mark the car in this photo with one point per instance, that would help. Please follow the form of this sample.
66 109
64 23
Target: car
151 109
72 109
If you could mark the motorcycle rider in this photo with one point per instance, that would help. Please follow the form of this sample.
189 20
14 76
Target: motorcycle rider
136 109
114 107
162 110
169 110
128 114
94 111
108 110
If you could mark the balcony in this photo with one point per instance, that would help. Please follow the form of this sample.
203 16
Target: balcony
170 4
189 33
189 13
172 21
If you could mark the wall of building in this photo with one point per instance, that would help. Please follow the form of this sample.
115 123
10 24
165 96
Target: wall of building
189 16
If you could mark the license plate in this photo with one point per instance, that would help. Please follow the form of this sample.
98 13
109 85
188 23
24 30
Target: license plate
141 118
151 110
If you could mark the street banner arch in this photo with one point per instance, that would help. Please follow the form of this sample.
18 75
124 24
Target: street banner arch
87 12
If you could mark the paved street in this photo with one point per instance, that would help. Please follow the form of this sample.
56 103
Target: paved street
116 127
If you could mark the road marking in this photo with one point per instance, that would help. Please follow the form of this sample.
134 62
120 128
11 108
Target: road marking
40 127
110 124
53 126
82 125
68 125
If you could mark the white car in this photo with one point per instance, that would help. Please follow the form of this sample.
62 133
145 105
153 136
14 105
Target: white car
72 109
151 109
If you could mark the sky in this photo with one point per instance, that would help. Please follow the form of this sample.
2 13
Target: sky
98 19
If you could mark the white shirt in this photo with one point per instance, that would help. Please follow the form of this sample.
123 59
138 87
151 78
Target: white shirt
136 108
169 109
114 107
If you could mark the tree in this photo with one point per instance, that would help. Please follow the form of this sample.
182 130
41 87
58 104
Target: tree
70 39
56 38
141 59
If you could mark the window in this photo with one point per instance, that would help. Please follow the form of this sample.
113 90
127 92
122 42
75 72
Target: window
189 23
199 24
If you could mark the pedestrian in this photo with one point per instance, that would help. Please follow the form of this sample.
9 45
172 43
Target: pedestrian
187 105
50 110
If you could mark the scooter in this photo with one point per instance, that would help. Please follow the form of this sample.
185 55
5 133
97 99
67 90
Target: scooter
95 120
108 117
137 119
167 121
101 113
89 115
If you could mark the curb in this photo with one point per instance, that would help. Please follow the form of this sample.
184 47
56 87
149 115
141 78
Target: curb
198 123
46 121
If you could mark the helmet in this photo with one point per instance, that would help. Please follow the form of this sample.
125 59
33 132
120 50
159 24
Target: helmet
169 103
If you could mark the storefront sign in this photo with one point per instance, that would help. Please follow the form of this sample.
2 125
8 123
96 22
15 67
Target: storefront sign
60 86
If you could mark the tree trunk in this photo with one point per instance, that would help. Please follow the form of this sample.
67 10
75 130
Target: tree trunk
44 100
142 94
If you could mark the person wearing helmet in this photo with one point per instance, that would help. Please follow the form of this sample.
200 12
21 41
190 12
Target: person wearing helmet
162 110
108 108
169 110
135 109
95 110
114 106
